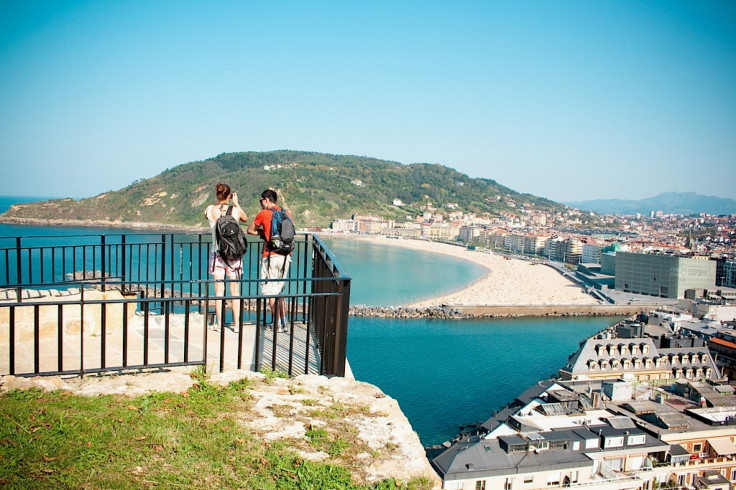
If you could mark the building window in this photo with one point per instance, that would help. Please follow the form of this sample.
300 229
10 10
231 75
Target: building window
698 447
480 485
530 479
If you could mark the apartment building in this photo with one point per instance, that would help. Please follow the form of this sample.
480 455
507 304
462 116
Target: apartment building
469 233
591 254
568 250
440 231
729 274
638 359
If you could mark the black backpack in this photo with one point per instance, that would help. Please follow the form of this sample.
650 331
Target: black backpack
231 243
282 233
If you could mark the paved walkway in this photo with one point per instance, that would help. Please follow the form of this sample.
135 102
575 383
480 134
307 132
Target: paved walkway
286 352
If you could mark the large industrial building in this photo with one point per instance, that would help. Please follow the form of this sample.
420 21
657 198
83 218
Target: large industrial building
661 275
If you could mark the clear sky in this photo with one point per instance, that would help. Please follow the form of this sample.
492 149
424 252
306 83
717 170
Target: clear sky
569 100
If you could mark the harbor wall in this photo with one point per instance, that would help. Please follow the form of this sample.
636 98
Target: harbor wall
500 311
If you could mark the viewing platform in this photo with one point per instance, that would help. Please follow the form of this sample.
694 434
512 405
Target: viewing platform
86 304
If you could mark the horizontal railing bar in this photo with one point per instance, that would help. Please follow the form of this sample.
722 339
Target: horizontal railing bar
331 258
139 367
177 233
112 283
167 299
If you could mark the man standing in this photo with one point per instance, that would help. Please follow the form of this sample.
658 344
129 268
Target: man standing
273 264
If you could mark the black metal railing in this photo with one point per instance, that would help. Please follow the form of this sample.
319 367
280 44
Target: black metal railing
84 304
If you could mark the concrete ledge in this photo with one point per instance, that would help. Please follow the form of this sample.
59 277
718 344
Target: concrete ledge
500 311
553 310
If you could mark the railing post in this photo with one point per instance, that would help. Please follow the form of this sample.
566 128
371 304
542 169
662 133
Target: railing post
11 341
163 264
123 275
18 262
172 259
341 327
103 262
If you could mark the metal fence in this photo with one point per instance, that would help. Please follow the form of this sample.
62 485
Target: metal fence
85 304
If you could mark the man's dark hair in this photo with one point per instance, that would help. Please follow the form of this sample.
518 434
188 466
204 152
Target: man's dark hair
270 194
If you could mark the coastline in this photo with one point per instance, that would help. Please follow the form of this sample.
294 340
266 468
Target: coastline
5 220
507 282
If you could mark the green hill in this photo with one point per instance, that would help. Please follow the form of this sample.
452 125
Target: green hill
317 188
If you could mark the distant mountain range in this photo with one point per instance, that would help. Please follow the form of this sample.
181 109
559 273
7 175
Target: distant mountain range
668 202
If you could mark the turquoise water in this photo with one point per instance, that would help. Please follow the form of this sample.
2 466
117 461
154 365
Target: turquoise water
443 373
389 275
446 373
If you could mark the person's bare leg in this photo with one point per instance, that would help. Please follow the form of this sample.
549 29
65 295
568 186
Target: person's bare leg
219 291
274 311
282 311
234 293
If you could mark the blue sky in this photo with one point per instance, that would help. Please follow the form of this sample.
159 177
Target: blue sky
568 100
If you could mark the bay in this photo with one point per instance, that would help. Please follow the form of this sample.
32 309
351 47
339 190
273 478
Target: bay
443 373
447 373
389 275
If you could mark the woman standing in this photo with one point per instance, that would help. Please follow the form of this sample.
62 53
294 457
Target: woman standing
218 266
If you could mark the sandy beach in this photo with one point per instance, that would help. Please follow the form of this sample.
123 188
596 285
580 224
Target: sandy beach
507 282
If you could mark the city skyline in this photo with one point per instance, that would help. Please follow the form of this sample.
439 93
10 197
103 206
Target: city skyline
568 101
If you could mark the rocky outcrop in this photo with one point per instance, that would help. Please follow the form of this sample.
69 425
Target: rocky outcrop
496 311
382 442
407 312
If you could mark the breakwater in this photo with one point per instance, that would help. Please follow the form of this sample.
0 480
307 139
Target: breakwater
498 311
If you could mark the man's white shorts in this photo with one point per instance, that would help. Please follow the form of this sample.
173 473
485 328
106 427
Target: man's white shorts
274 267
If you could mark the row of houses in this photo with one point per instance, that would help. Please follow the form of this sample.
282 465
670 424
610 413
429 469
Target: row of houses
628 411
614 266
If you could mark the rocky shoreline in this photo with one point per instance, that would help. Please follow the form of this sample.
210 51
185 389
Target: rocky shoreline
7 220
406 312
496 311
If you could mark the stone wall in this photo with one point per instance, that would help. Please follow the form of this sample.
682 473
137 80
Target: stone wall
75 317
500 311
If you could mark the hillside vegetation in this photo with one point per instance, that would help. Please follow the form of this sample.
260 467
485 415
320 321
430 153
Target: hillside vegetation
317 188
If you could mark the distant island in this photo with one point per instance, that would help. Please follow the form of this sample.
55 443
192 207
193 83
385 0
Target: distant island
686 203
318 189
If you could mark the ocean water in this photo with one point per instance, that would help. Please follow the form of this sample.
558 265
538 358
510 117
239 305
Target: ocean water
389 275
446 373
443 373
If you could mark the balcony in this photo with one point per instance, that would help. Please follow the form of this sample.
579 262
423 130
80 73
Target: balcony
97 303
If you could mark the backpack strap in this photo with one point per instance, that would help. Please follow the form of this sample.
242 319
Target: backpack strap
229 211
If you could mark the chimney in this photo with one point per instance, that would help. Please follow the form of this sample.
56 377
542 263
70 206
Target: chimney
596 399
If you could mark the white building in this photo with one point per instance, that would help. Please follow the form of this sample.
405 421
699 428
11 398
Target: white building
591 254
729 274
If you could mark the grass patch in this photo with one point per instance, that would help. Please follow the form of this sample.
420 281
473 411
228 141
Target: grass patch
273 374
195 439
